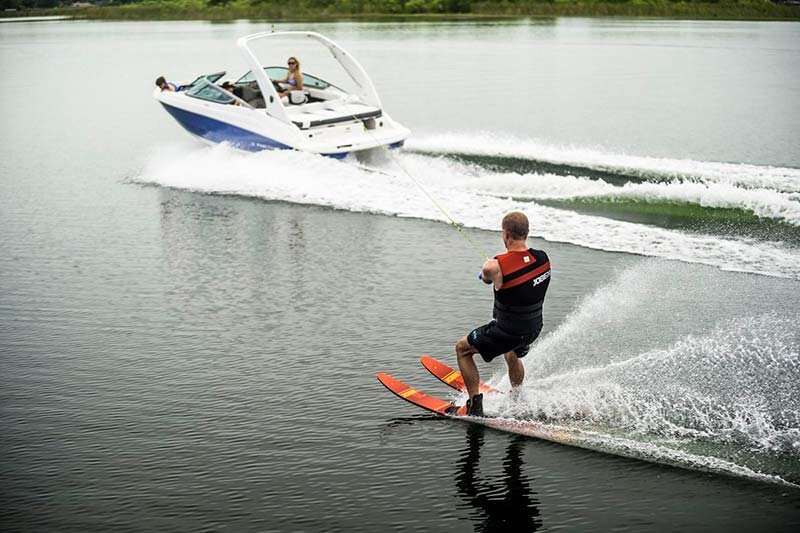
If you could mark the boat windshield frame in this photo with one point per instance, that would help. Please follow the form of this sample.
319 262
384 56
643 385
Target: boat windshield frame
365 89
309 80
213 78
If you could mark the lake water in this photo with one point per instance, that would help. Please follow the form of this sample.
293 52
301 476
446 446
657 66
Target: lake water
189 335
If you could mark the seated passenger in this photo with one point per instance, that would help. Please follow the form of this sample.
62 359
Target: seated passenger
165 85
294 77
228 86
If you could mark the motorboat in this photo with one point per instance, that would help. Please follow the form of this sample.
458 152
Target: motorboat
324 118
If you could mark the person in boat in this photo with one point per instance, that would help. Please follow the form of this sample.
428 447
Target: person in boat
165 85
294 78
520 278
231 88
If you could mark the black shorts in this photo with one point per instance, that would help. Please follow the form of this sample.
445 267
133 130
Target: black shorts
491 341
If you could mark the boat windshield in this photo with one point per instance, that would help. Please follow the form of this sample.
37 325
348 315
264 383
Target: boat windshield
203 89
280 73
213 78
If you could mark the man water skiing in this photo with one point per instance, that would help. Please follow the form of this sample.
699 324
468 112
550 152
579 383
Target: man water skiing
520 278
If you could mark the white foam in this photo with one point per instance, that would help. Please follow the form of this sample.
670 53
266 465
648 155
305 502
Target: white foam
713 393
611 362
626 447
766 203
303 178
493 144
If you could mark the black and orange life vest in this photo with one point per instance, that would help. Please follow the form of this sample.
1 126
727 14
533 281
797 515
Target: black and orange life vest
518 302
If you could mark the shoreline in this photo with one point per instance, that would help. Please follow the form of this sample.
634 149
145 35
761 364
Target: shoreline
154 11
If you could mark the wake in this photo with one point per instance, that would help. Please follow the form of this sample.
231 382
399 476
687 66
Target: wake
478 197
725 395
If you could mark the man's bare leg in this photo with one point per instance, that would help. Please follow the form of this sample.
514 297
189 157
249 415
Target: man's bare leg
516 370
467 366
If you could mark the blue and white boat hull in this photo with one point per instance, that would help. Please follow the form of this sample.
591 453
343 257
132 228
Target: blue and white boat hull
255 113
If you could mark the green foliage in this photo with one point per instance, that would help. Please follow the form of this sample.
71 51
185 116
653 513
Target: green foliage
384 6
277 10
28 4
422 6
437 6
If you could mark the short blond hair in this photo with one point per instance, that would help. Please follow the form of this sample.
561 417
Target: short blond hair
516 224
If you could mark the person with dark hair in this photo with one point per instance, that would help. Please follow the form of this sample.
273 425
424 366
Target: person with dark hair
231 88
520 278
165 85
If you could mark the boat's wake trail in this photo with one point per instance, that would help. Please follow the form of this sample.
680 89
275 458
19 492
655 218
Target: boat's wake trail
669 361
478 196
524 156
720 392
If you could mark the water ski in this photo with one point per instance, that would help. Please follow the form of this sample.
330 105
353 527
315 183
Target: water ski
412 395
450 376
441 407
444 373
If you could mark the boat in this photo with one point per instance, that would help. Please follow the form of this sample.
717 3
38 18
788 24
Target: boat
323 118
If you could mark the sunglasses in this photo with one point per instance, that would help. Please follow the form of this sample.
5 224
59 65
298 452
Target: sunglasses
291 63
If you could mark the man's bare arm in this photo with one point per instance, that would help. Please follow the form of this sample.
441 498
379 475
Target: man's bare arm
491 273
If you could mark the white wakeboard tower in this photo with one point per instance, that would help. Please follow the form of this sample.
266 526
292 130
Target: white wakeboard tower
322 118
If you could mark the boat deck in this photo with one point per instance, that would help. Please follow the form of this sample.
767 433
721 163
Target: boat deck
331 112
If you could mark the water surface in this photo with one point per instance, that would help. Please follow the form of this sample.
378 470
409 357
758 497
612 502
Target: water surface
189 335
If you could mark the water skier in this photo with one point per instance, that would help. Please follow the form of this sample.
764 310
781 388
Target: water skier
520 278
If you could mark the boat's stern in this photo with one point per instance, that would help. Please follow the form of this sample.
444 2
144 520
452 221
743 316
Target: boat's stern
353 137
337 129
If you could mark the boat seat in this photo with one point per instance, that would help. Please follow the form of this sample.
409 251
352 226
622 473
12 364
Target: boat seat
297 97
327 113
251 95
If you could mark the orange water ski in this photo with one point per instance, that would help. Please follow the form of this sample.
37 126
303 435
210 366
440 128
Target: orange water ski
438 406
414 396
451 376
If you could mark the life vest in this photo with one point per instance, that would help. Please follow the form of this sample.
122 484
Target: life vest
518 302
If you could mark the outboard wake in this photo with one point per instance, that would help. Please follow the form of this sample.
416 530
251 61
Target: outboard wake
634 369
709 219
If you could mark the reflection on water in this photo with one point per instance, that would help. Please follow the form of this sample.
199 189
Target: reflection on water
507 505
